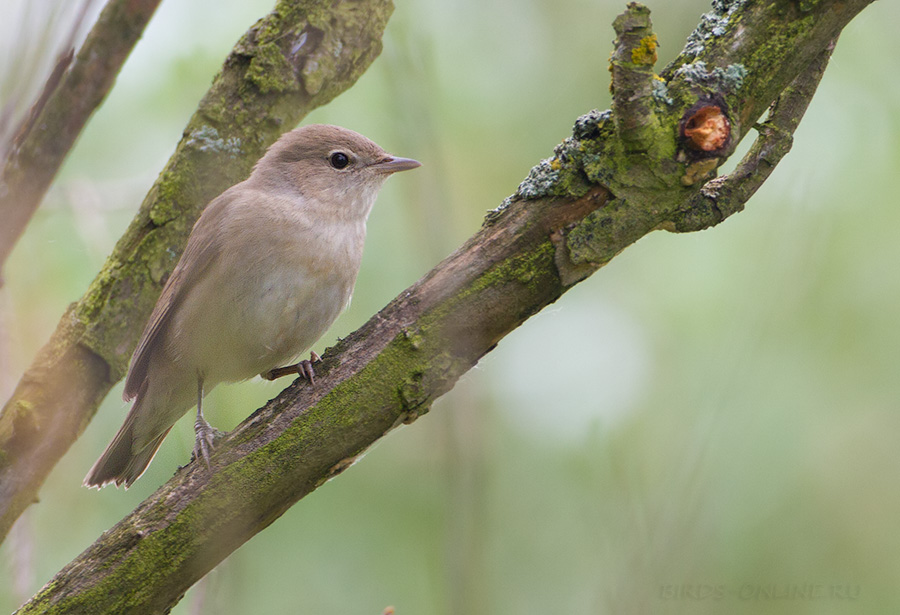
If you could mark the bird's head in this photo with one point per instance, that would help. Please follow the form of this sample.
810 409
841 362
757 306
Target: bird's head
330 167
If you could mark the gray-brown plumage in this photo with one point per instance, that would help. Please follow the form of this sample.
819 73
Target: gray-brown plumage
268 267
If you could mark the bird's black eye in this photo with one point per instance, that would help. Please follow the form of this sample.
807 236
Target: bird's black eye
339 160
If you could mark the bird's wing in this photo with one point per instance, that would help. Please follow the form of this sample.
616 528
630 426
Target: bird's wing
201 250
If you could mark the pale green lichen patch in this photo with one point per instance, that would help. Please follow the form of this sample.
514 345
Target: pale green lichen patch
732 77
725 80
207 139
541 180
712 25
494 214
660 91
561 174
727 6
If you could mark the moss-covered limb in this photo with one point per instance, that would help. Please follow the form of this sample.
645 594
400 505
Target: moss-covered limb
726 195
60 115
383 375
263 89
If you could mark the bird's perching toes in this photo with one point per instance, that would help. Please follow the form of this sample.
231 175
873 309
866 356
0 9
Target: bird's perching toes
303 368
205 434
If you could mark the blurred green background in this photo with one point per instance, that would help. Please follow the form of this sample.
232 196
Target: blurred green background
709 424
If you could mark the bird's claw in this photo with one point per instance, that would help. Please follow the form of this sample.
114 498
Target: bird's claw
206 436
304 369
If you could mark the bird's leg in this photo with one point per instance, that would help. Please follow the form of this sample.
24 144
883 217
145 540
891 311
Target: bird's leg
303 368
203 444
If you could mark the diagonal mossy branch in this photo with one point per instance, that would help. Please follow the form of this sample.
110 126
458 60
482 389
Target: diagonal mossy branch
76 88
302 55
574 212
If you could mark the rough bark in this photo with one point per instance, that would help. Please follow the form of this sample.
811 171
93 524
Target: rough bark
616 179
297 58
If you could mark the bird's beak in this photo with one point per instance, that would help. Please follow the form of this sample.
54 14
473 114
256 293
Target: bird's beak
392 164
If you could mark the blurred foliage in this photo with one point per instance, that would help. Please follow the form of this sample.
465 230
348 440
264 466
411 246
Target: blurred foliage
706 425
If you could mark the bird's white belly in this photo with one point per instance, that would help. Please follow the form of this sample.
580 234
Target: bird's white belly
263 319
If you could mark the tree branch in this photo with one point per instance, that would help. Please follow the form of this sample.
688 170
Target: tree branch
299 57
727 195
74 90
573 213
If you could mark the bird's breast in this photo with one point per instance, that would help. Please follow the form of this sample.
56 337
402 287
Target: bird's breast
271 303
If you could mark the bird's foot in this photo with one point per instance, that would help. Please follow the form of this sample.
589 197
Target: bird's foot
303 368
206 436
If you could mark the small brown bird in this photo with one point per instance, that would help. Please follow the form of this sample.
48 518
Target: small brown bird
268 267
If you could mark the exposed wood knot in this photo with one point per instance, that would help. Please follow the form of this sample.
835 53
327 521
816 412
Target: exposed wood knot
706 129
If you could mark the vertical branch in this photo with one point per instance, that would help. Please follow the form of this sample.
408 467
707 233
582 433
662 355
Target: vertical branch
632 77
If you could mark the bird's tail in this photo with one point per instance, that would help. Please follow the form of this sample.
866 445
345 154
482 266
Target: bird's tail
120 463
